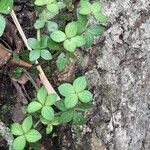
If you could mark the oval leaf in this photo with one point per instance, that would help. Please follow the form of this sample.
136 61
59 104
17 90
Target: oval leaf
71 29
33 43
47 112
66 117
16 129
69 45
45 54
51 99
54 8
58 36
33 107
19 143
96 7
78 118
66 89
39 24
52 26
49 129
96 30
71 100
89 39
6 6
34 55
33 136
61 105
85 96
85 8
100 17
80 84
79 41
27 124
41 95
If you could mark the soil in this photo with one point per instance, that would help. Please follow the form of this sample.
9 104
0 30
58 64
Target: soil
16 93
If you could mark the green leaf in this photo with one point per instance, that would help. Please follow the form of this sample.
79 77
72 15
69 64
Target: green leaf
85 106
85 8
80 84
16 129
19 143
52 26
34 55
33 107
2 25
55 121
33 136
79 41
39 24
44 121
54 8
100 17
96 30
41 95
85 11
71 100
66 89
27 124
17 72
71 29
61 63
47 112
66 117
78 118
58 36
53 45
6 6
16 57
96 7
85 96
43 42
51 99
45 54
89 39
81 23
61 105
49 129
33 43
42 2
69 45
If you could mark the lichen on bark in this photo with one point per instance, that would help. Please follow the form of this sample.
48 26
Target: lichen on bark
121 80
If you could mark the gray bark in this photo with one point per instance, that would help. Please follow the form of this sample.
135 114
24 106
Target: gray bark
121 81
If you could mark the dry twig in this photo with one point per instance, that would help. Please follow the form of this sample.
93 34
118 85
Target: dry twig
42 75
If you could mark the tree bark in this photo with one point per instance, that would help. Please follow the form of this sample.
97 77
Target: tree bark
120 77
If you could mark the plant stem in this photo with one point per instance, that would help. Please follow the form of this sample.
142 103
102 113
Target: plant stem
31 80
36 124
38 35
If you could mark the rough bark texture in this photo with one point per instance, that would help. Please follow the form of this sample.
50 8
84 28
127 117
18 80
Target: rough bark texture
121 80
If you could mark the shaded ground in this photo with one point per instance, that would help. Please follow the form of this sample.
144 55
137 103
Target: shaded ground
12 94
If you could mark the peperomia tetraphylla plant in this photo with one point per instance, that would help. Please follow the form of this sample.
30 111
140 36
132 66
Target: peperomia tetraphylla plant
53 38
75 101
57 43
25 133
